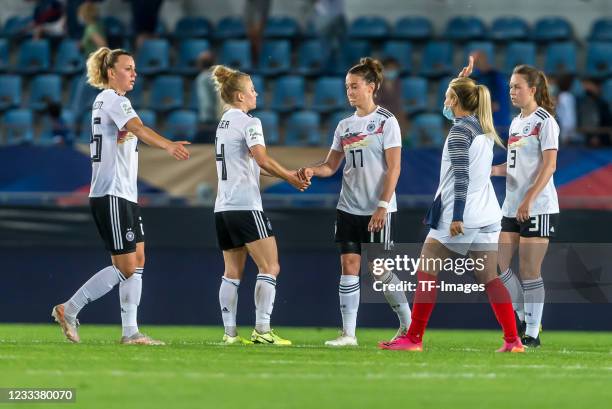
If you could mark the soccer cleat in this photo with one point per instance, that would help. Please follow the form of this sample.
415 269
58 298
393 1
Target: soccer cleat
530 342
342 341
237 340
140 339
68 328
521 326
402 343
400 332
268 338
515 346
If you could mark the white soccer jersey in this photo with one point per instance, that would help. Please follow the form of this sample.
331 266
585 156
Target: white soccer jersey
529 137
364 139
237 171
114 151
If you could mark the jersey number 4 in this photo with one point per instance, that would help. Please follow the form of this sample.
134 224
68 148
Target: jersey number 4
353 157
220 157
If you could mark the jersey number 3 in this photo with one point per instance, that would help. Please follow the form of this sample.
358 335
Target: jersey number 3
220 157
512 163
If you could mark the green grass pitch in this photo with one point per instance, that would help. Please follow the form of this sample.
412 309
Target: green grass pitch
458 369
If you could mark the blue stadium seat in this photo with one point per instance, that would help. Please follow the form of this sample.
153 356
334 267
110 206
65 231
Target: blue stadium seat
427 130
148 117
350 53
601 30
192 27
275 57
369 27
519 53
18 126
136 95
189 50
34 57
269 123
181 125
486 47
509 29
69 60
84 134
599 59
288 94
465 28
116 32
400 51
281 27
82 95
606 91
311 57
230 27
552 29
413 28
15 25
441 93
414 94
47 135
560 58
259 84
303 129
10 91
45 88
437 59
236 54
166 93
153 57
333 122
4 54
329 94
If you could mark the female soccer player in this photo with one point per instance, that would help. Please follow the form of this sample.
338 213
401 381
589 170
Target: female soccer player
116 129
370 140
531 208
242 227
465 216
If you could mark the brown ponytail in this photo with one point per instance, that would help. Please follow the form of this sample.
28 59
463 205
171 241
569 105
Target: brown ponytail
371 70
536 78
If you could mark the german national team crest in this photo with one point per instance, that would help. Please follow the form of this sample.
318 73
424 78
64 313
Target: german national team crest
371 126
129 236
526 129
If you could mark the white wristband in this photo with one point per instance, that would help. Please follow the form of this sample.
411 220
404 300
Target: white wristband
383 204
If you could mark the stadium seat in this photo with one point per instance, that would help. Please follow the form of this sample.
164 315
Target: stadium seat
34 57
69 60
329 94
333 122
509 29
552 29
441 92
166 93
427 130
414 94
281 27
181 125
606 91
236 54
303 129
84 134
464 28
437 59
189 50
45 88
15 25
369 27
47 135
10 91
136 95
400 51
601 30
148 117
192 27
116 32
269 123
4 54
486 47
599 59
153 57
560 58
82 95
350 54
230 27
310 58
288 94
519 53
259 84
413 28
275 57
18 126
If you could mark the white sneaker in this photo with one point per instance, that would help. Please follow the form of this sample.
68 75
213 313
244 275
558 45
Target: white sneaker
69 328
342 341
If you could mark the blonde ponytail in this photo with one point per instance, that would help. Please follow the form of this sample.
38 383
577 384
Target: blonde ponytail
227 82
98 64
485 114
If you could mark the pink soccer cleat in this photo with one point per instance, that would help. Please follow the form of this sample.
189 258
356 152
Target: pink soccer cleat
514 346
69 327
402 343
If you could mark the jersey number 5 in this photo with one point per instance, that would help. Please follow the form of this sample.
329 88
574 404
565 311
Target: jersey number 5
220 157
95 143
512 163
353 154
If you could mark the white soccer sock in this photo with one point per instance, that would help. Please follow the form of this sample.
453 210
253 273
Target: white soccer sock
228 300
397 299
265 292
349 303
130 292
98 285
515 288
534 305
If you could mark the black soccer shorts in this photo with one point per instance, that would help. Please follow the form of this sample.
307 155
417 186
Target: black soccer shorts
119 223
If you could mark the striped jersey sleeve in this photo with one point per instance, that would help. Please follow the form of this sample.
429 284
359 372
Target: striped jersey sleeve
459 141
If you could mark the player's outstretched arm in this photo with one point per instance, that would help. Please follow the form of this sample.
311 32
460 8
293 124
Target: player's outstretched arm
393 157
152 138
323 170
273 168
467 70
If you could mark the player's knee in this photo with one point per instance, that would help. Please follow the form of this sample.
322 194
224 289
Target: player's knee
127 267
350 267
270 268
